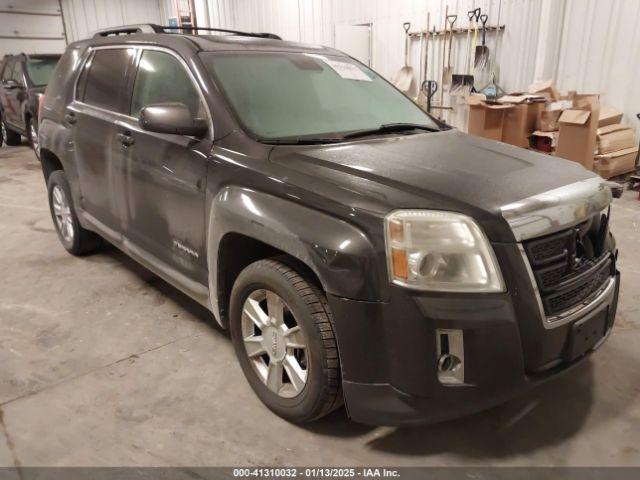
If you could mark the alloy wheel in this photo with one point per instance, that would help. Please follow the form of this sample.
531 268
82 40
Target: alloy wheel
276 346
34 139
62 213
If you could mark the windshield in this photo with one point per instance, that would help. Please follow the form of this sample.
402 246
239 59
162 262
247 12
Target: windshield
40 69
279 95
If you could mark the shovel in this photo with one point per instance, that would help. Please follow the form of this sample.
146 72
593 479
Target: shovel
404 79
448 70
462 83
422 98
482 51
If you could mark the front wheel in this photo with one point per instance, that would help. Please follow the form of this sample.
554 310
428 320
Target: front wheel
282 332
33 137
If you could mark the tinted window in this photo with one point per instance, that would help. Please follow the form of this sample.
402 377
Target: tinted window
17 72
106 83
8 70
40 70
162 78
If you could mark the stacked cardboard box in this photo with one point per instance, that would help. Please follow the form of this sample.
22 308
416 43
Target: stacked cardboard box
571 125
617 150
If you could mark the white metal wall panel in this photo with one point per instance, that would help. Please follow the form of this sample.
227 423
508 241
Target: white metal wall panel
600 52
36 29
84 17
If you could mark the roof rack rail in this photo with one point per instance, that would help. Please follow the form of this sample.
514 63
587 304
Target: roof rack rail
128 30
152 28
169 29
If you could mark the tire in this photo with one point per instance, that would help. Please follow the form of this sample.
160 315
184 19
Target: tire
10 137
75 239
32 135
304 306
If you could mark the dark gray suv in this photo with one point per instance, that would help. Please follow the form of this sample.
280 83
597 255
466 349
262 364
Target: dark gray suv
23 79
359 250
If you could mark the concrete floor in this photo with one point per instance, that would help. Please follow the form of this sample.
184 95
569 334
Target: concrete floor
102 363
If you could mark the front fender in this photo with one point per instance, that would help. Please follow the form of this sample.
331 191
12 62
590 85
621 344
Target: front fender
340 254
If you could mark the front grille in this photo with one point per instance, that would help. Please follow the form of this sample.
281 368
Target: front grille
558 302
566 268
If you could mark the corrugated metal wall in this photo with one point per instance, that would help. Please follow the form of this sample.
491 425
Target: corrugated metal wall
83 17
600 52
587 45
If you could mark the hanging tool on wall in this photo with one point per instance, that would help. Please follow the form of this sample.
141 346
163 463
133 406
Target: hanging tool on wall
444 52
482 51
492 90
448 70
429 87
422 97
404 80
462 84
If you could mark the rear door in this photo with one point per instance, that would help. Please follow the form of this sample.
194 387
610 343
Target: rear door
8 95
166 174
101 101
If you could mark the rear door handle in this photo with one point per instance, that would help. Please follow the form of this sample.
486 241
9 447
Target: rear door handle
125 139
71 118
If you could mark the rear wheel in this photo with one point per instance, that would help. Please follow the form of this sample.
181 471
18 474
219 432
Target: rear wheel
9 137
75 239
282 333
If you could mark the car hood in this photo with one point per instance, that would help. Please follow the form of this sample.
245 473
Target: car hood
446 170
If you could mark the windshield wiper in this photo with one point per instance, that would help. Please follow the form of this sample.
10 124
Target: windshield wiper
391 128
300 141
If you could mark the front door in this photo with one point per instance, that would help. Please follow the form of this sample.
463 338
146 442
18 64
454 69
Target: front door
101 101
165 174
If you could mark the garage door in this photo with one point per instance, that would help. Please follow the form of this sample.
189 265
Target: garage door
31 26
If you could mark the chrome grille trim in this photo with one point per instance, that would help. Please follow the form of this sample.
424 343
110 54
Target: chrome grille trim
575 312
557 209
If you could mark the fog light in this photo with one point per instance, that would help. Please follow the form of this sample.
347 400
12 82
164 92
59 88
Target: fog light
448 363
450 355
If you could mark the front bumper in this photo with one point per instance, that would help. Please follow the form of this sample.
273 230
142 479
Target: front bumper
388 352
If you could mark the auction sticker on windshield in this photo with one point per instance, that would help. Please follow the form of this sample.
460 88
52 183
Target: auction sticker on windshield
346 70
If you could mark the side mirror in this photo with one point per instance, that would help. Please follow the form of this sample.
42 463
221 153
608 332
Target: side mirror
616 189
10 84
172 118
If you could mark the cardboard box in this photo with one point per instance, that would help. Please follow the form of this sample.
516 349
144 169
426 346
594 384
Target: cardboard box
547 120
546 88
577 133
609 116
486 119
519 122
616 163
543 141
615 137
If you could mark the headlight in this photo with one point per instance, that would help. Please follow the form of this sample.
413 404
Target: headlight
440 251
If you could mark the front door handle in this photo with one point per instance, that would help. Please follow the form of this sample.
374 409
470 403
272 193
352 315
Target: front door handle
125 139
71 118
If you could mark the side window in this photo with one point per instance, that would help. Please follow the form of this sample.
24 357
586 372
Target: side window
105 83
17 72
8 70
161 78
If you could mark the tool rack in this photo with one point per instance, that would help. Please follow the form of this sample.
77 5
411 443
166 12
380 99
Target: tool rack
455 31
